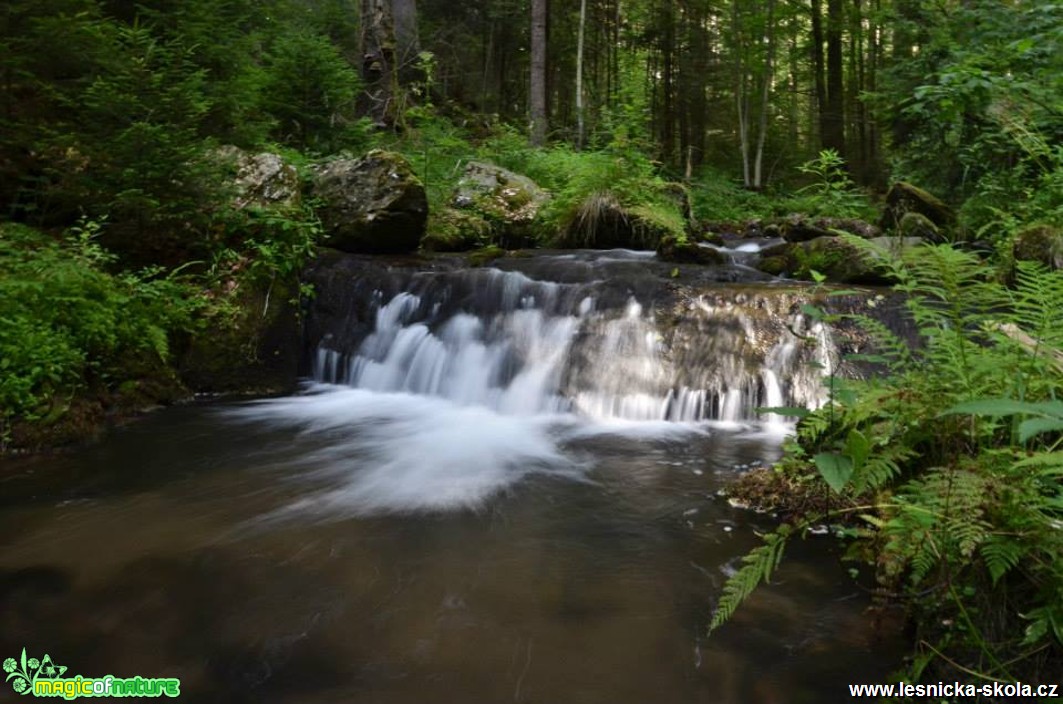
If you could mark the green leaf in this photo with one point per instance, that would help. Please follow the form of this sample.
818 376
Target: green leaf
857 447
814 312
1036 426
835 469
1044 459
1006 407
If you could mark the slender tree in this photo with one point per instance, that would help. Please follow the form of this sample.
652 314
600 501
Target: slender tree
537 96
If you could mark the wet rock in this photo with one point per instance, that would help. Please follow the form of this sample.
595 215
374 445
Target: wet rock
905 198
452 230
1040 243
672 249
800 228
834 257
373 205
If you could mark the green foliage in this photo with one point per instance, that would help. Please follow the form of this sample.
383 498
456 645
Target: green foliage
976 112
587 187
833 193
757 567
68 325
310 90
952 457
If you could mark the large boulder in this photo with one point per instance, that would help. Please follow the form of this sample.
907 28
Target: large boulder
263 180
904 198
1040 243
373 205
508 202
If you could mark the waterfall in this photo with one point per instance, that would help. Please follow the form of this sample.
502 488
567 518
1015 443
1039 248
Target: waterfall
519 346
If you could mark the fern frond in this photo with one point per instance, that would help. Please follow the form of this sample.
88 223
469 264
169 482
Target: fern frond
1001 555
757 567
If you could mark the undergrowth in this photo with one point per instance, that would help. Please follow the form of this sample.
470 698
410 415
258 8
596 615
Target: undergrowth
946 469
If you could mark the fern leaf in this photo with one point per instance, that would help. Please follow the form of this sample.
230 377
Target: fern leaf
757 567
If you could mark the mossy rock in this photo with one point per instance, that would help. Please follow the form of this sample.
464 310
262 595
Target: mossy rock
801 228
682 251
372 205
452 230
1040 243
508 202
255 350
601 221
833 257
918 225
905 198
263 180
485 255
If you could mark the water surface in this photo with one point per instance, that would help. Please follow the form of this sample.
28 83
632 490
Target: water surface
358 546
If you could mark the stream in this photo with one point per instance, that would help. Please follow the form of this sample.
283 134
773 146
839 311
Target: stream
500 484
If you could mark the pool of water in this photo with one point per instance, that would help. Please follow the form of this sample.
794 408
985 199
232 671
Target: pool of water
354 546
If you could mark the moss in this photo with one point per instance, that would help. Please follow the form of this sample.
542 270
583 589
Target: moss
682 251
451 230
486 255
254 349
918 225
1040 243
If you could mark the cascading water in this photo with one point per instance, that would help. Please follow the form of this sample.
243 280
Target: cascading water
526 347
436 389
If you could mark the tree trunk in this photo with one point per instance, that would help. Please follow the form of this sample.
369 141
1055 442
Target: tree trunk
407 41
769 68
378 61
818 68
579 74
537 95
834 137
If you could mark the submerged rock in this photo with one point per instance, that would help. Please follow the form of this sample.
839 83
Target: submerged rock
373 205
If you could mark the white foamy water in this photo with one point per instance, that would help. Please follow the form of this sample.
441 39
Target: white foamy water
438 410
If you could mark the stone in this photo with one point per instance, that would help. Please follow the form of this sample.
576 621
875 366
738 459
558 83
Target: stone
801 228
371 205
508 202
905 198
453 230
1040 243
840 261
918 225
672 249
263 180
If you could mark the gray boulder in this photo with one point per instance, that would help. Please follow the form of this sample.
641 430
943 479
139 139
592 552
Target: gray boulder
373 205
507 201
